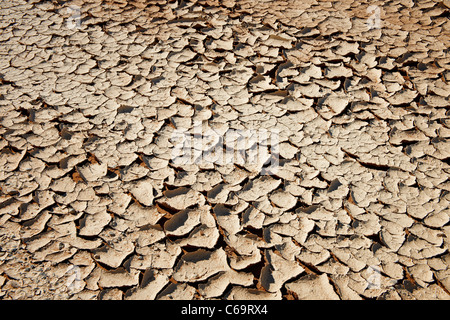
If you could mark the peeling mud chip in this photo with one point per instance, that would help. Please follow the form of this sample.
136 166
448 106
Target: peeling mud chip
224 150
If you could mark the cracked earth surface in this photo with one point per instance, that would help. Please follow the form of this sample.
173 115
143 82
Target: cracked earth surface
93 205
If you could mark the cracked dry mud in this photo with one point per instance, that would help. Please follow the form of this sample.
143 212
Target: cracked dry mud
93 206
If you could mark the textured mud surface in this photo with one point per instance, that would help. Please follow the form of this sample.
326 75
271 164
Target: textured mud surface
93 204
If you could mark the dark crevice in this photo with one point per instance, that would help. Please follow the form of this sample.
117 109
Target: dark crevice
402 64
309 268
163 289
349 154
407 285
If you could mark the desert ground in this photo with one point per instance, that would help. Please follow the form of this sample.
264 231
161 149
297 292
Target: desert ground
211 149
